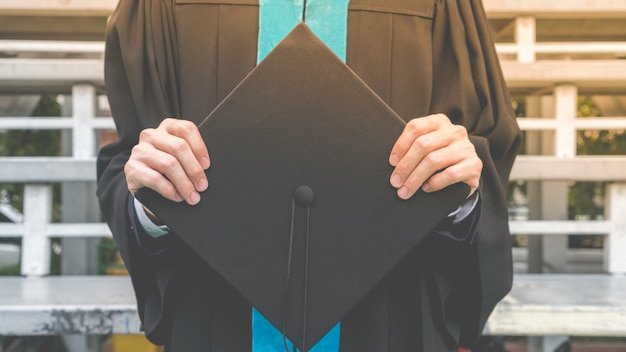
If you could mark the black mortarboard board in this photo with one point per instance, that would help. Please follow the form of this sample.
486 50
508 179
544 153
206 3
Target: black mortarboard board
300 216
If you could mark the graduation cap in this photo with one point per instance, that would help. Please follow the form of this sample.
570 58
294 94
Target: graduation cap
300 217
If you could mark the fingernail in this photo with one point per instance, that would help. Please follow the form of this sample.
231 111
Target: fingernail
403 192
394 159
205 162
203 184
178 197
194 198
396 180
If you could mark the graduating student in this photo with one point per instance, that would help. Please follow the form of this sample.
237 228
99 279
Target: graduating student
346 260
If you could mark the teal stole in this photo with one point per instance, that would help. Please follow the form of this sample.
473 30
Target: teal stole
328 19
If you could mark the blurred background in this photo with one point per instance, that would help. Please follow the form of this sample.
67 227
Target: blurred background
63 286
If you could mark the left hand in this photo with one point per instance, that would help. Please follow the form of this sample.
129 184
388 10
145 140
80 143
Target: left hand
432 153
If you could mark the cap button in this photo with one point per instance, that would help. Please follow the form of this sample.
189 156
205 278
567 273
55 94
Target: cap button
304 195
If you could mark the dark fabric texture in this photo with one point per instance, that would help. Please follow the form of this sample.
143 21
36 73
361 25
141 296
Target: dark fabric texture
302 118
181 58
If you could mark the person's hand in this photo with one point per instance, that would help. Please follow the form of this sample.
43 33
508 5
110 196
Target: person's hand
432 153
171 160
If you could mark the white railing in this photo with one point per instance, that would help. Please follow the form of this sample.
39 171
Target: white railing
58 7
38 172
50 46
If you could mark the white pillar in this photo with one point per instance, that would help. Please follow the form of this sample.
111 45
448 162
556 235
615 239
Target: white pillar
566 109
525 37
555 193
79 200
534 146
35 243
615 243
83 112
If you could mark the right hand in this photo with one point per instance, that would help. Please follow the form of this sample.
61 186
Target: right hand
171 160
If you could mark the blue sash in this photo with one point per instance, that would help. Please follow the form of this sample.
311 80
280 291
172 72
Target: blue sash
328 19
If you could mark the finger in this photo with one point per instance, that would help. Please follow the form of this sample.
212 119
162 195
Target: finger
180 149
139 175
432 164
467 171
445 147
413 130
173 169
422 147
168 165
188 131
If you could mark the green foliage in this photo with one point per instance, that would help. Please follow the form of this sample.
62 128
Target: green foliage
22 143
10 270
587 107
603 142
586 200
30 143
34 143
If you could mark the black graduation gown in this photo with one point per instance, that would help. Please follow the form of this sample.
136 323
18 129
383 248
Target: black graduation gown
182 57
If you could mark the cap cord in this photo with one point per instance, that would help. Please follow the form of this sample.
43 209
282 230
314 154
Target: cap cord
288 283
304 196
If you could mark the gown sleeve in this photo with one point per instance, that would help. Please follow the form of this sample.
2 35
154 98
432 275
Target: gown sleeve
141 88
469 87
